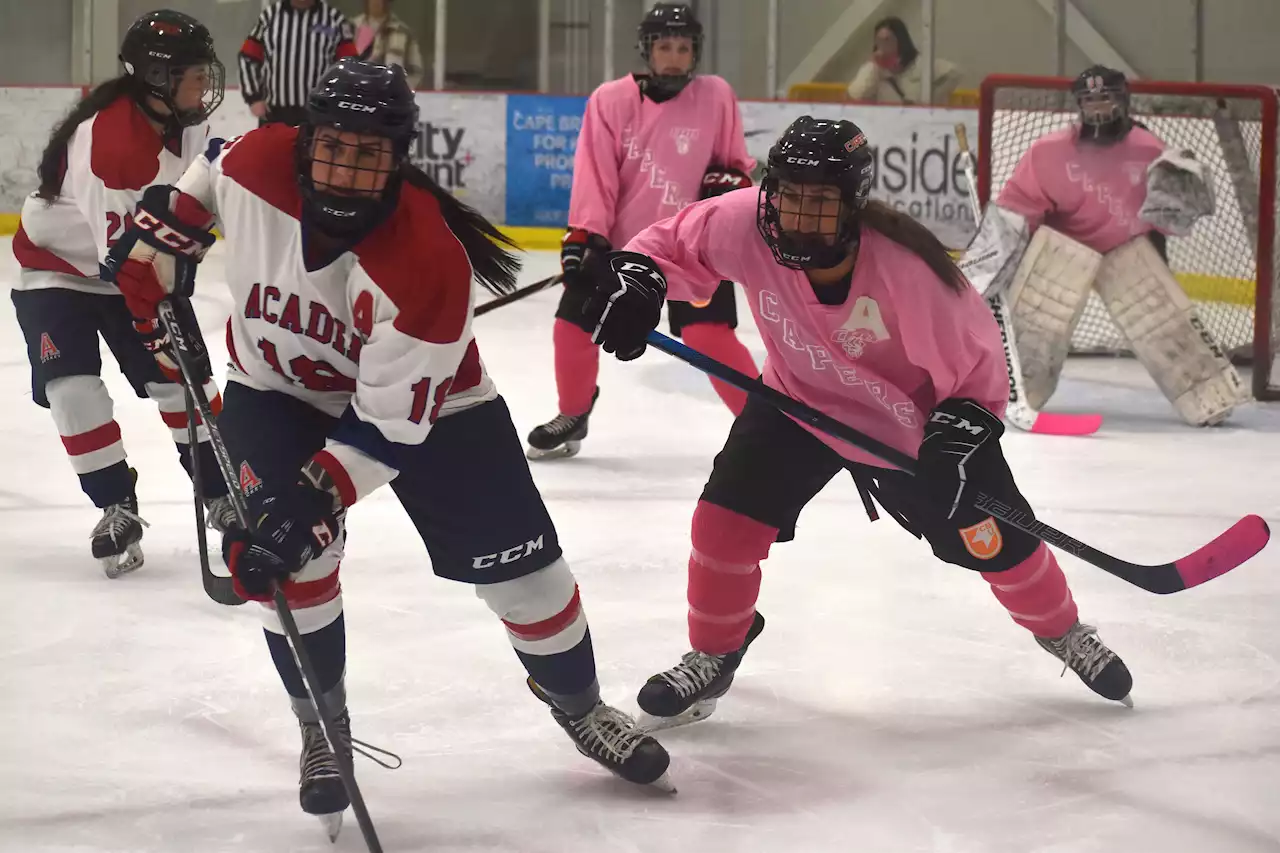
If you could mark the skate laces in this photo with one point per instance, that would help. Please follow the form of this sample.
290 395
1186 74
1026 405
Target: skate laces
1083 652
694 672
561 424
222 514
115 520
319 760
608 732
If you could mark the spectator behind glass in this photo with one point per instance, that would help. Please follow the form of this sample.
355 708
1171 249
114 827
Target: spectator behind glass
892 75
384 38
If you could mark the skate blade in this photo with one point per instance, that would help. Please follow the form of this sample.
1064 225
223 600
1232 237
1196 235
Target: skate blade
332 824
695 713
564 451
121 564
1127 701
664 784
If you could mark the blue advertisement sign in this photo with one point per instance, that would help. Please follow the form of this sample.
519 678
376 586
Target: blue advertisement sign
542 136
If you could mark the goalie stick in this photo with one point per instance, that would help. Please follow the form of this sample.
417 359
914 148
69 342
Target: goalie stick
1018 413
181 349
1237 544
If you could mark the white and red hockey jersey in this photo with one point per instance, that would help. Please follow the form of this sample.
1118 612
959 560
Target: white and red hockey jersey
111 158
380 337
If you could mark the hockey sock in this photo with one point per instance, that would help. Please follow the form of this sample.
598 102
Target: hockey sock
577 366
1036 594
327 648
83 413
718 341
171 400
724 576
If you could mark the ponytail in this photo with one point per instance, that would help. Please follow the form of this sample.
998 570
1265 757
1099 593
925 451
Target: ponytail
907 232
53 162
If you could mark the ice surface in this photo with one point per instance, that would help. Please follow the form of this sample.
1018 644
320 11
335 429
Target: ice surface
891 706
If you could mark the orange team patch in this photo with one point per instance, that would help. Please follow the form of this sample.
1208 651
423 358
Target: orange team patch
983 540
702 304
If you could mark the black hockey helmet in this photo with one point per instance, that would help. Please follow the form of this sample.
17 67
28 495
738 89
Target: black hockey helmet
158 49
355 96
667 20
803 222
1102 95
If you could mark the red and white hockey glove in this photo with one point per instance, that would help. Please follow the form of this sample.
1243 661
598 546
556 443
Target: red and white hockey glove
721 179
158 253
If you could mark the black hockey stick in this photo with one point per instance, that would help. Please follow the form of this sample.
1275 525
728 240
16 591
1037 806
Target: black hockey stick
181 349
517 295
1237 544
220 589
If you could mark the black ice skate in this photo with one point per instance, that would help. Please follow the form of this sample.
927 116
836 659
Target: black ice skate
611 739
117 536
320 789
1099 668
688 692
220 514
560 437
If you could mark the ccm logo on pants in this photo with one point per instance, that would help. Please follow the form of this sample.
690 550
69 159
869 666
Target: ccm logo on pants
510 555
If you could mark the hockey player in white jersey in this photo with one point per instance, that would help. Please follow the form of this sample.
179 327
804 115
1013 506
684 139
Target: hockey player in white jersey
354 367
1088 207
144 127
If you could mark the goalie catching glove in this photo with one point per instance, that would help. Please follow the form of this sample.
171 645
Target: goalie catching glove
1179 192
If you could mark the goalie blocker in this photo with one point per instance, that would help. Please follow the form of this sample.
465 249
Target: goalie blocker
1048 293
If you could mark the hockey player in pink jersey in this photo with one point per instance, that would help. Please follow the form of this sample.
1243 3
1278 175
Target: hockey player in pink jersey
864 317
1103 192
650 145
354 366
141 128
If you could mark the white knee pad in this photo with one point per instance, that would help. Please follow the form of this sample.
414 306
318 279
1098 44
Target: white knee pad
541 611
1047 295
79 403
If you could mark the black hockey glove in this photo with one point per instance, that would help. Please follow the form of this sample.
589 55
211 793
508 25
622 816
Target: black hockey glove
292 527
952 458
578 251
626 305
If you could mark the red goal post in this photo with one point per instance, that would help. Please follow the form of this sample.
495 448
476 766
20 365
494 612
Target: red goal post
1229 264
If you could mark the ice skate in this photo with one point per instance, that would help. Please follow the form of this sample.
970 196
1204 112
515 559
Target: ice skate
220 514
560 437
1099 668
320 789
688 692
611 739
117 537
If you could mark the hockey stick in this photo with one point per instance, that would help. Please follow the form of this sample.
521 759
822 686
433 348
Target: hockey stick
182 346
220 589
517 295
1241 541
1018 413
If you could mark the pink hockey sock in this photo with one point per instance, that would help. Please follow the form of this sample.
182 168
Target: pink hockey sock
577 366
718 341
1036 594
724 576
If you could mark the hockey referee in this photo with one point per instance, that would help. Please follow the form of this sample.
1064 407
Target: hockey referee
291 46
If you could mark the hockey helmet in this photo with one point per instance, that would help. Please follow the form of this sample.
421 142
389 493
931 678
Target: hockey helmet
816 180
349 185
157 51
667 20
1102 95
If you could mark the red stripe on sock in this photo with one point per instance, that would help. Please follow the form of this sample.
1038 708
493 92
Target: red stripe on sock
95 439
548 628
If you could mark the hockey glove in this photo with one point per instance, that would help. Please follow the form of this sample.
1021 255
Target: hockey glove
951 461
721 179
578 250
292 526
626 305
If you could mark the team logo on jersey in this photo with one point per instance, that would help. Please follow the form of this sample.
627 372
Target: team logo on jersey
983 540
249 481
48 351
684 137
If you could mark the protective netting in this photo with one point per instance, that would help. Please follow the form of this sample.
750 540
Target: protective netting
1217 263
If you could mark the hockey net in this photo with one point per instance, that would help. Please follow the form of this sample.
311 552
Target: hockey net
1229 264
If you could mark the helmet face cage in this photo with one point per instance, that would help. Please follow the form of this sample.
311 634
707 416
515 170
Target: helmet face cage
158 52
210 98
670 20
1102 97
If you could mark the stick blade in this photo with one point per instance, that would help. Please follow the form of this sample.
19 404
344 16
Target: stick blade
1056 423
1233 547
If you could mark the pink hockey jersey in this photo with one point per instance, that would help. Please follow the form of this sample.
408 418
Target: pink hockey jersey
901 343
638 161
380 337
1091 193
111 158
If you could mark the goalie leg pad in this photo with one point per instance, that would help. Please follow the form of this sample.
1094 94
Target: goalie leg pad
1047 295
1160 322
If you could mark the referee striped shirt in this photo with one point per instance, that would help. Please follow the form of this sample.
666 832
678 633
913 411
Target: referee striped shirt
288 51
